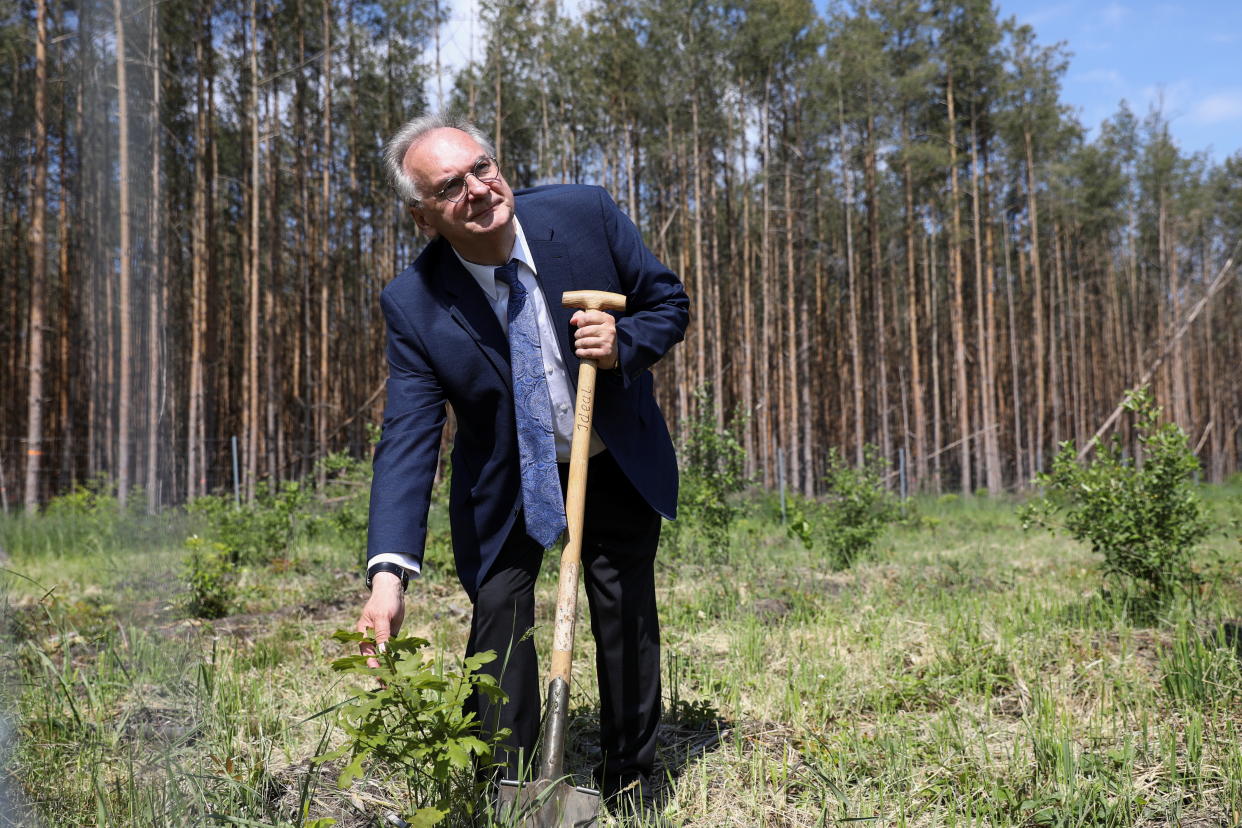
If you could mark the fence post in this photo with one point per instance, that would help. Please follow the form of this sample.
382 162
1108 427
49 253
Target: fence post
236 482
780 477
901 469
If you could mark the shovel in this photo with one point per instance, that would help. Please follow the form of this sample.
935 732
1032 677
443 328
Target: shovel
549 801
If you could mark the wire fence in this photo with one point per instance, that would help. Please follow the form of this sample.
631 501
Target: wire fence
65 464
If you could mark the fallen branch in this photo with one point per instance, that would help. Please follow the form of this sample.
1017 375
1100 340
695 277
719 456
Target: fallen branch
1221 278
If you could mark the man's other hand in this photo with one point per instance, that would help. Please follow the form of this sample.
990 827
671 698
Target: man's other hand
596 337
384 612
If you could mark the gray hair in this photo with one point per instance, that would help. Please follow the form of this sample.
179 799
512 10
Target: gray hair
410 134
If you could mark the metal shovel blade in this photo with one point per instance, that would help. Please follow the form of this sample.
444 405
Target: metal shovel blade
545 804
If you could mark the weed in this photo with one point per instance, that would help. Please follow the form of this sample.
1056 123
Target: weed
1197 673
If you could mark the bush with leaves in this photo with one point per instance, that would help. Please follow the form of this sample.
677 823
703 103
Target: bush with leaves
211 579
855 509
255 532
1143 518
88 517
711 474
344 501
413 725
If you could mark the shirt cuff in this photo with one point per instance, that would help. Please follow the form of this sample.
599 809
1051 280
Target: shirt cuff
404 561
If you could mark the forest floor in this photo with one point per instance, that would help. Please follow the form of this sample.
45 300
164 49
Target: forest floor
963 672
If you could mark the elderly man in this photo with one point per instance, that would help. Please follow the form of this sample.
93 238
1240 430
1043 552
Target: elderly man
493 272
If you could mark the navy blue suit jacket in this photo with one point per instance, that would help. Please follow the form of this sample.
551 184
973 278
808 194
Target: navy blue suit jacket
446 345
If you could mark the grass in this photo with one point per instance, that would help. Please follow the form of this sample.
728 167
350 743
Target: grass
964 673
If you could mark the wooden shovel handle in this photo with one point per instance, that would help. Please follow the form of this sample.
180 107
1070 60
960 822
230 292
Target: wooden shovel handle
575 494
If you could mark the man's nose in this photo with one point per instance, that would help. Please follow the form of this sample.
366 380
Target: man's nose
475 186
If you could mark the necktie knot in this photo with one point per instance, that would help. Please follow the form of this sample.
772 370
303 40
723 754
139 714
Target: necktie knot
508 273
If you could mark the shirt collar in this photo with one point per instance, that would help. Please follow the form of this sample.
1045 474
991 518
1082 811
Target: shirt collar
485 275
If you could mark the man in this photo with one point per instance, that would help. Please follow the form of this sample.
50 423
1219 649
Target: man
497 264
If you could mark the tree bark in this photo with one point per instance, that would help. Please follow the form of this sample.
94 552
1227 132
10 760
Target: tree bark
124 286
958 314
38 271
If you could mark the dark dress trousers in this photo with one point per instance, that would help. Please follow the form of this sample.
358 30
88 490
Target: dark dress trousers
445 345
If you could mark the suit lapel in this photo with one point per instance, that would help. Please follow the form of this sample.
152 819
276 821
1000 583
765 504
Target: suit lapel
469 308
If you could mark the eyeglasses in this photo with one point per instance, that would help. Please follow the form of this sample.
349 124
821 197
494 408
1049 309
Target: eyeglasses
485 170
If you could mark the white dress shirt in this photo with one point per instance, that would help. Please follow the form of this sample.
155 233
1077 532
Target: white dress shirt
559 388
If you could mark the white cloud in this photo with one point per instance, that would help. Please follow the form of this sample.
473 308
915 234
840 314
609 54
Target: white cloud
1223 107
1103 77
1040 16
1114 14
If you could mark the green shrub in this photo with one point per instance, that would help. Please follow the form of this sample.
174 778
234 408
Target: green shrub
855 510
281 513
711 474
343 504
256 532
1144 518
86 519
413 725
210 577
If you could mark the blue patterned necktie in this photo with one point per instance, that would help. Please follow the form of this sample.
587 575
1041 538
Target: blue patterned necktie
541 483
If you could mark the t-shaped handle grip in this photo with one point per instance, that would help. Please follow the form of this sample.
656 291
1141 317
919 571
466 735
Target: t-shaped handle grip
593 300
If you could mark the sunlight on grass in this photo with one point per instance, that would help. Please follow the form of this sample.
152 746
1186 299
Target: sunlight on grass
962 672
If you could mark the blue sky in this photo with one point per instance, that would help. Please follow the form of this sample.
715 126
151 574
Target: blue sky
1184 56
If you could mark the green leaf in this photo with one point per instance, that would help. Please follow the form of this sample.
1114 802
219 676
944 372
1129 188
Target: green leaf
426 817
352 771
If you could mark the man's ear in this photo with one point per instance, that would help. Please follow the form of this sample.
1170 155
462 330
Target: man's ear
420 220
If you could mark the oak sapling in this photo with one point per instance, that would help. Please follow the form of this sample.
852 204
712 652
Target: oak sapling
413 725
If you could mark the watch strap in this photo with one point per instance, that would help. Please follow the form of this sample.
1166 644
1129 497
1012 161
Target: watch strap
388 566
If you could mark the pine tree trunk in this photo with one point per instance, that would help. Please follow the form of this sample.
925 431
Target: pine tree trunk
983 297
958 314
38 272
124 286
919 464
324 385
155 360
790 421
852 275
252 289
1037 308
196 427
880 317
748 309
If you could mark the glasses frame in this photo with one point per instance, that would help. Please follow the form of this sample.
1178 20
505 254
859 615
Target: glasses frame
442 193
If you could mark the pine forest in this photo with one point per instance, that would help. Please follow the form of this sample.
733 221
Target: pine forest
893 231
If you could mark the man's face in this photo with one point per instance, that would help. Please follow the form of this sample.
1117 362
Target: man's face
485 209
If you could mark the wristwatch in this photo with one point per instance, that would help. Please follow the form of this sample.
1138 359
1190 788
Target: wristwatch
387 566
